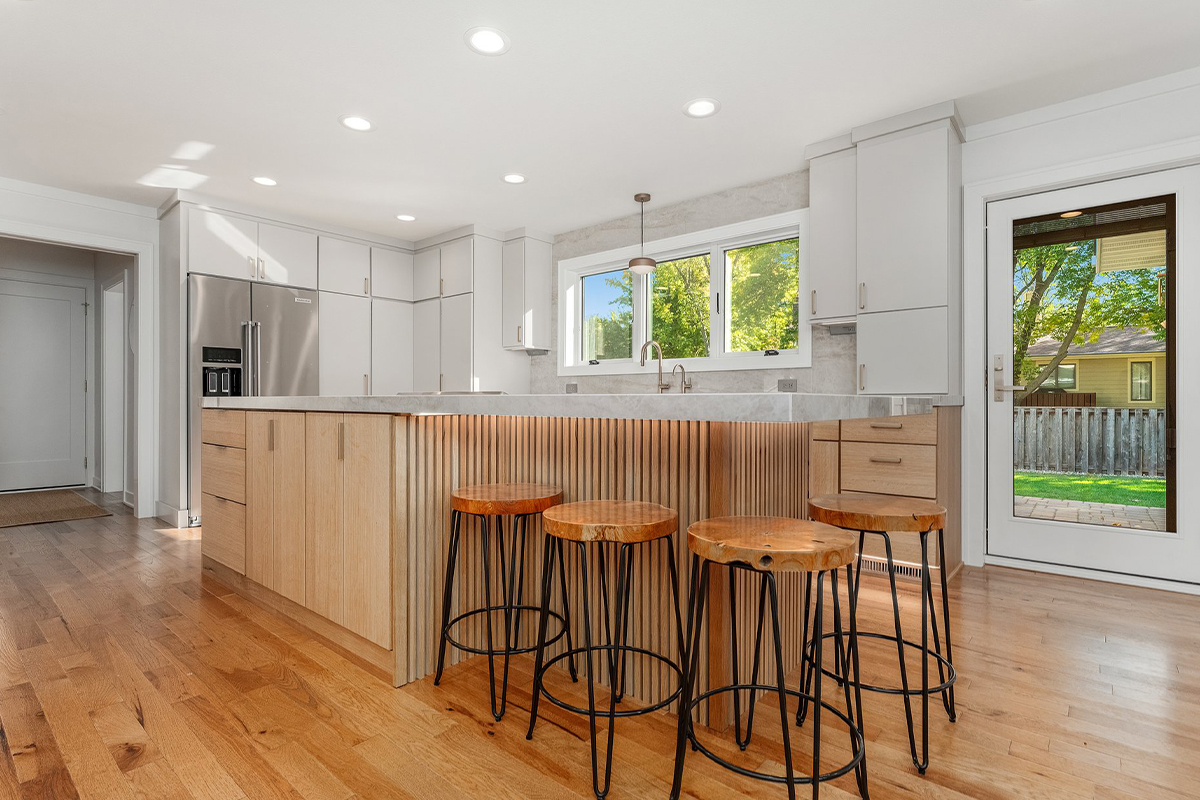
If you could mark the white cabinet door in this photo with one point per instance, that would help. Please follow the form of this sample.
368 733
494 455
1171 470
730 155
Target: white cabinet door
221 245
539 263
427 273
832 238
391 274
287 256
903 352
904 193
391 346
458 262
345 267
457 344
427 349
513 307
344 345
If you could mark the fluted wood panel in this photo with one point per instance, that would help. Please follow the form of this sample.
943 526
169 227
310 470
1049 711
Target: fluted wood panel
667 462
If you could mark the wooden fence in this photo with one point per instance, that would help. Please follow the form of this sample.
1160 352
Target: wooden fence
1104 441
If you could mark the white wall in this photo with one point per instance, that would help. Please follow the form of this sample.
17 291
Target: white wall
46 214
109 268
1135 129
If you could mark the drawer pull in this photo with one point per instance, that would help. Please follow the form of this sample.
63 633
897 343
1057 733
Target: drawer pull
890 425
885 459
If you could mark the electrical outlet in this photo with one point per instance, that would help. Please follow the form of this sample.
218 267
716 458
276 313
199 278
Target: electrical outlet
572 388
787 385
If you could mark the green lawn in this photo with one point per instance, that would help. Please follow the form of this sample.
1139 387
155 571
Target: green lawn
1126 490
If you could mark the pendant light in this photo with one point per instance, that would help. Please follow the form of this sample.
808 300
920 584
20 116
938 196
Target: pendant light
642 265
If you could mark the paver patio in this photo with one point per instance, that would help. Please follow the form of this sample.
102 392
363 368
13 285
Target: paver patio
1113 514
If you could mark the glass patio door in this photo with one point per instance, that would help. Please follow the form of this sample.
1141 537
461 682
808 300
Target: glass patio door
1090 428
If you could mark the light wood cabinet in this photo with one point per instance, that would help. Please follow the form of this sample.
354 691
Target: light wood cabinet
345 267
223 471
526 294
223 537
344 345
348 542
223 427
833 233
391 274
223 476
275 503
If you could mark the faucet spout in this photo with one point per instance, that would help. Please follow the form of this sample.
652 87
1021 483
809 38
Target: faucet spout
658 349
685 385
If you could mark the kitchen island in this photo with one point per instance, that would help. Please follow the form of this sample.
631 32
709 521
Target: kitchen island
335 510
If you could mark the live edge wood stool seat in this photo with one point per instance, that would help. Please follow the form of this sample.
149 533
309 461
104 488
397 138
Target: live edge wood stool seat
605 525
763 546
516 502
882 515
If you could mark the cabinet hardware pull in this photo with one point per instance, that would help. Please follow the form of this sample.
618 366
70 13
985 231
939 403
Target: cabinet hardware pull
440 382
253 269
441 286
813 304
366 286
862 377
518 334
885 460
366 384
270 434
891 425
261 270
341 441
862 296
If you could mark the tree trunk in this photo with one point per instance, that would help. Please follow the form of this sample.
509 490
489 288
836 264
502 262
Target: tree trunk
1063 346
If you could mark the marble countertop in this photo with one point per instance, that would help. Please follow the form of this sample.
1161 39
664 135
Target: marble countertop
712 407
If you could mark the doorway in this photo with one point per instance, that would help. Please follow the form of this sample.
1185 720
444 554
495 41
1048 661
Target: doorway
113 366
1088 428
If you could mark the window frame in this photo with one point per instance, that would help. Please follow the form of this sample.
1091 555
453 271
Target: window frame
714 243
1074 387
1150 382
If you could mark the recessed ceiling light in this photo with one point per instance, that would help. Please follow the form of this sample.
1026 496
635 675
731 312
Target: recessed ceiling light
264 181
701 107
487 41
514 177
406 218
1071 214
357 123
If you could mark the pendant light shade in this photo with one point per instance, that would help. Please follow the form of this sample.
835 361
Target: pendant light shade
642 265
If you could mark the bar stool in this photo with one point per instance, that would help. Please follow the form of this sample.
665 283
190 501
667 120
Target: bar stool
518 501
763 546
877 515
623 525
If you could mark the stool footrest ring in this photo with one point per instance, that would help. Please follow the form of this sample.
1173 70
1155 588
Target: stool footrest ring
631 712
501 650
951 675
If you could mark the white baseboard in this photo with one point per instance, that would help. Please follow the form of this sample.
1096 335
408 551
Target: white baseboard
174 517
128 498
1095 575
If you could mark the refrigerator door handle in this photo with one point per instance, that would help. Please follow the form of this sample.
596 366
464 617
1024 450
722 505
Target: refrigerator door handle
248 355
257 359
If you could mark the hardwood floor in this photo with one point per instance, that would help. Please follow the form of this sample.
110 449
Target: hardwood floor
126 674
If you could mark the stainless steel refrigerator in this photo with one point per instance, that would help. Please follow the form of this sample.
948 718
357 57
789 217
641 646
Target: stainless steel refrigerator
245 340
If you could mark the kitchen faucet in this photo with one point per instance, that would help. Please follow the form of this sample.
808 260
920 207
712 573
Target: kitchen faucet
685 385
661 386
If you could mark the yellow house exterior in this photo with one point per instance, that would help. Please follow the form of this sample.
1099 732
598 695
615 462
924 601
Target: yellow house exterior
1109 367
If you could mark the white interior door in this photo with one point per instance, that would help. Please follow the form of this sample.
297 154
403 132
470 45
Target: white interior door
1105 540
42 390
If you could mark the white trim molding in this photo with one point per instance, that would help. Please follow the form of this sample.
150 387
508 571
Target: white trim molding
740 234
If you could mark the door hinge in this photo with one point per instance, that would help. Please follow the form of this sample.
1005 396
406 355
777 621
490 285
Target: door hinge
85 385
85 307
85 462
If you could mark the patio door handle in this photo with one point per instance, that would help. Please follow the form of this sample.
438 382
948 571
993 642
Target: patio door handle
998 385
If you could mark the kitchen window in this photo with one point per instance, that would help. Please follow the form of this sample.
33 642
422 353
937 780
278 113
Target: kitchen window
720 299
1141 381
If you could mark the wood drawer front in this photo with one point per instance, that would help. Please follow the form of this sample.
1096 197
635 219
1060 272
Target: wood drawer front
904 469
228 428
912 429
223 472
825 431
223 537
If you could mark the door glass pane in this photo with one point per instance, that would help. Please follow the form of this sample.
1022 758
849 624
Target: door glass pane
764 288
607 315
1090 344
679 306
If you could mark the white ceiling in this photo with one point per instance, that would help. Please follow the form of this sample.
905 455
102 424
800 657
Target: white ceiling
586 103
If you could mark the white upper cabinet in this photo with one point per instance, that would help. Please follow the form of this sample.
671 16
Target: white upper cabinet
427 345
222 245
345 267
391 274
833 234
344 345
526 294
458 266
287 256
457 344
904 352
392 346
908 206
427 274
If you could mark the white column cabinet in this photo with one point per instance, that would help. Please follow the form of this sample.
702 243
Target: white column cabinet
427 273
392 346
457 343
427 345
345 267
526 294
344 345
391 274
833 236
458 266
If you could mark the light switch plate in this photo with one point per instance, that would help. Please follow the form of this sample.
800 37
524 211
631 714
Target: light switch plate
572 388
787 385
